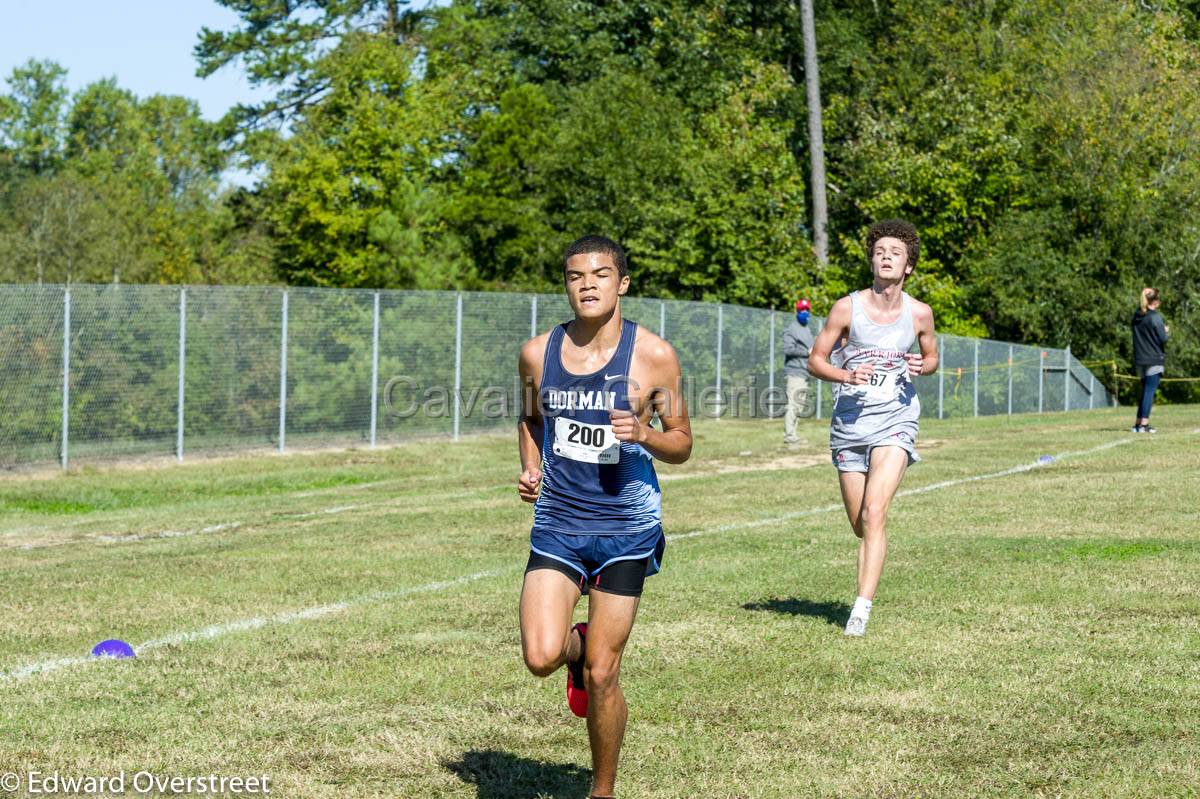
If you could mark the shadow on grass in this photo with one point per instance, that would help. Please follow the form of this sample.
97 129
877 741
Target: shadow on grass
500 775
835 613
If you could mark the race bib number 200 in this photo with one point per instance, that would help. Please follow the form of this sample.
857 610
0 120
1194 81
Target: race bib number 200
589 443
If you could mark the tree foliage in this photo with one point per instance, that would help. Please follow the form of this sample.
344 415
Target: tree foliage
1046 149
103 186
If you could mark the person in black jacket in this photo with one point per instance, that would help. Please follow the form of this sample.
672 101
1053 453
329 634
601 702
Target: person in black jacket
1149 342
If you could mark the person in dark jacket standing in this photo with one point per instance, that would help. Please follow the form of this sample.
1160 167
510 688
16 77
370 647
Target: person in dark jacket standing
1149 343
797 342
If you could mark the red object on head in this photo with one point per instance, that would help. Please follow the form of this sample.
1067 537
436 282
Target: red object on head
802 305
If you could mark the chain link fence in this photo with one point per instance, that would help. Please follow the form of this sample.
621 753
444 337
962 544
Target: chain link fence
95 373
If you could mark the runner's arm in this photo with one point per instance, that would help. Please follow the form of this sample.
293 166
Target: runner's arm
672 444
837 327
529 425
926 361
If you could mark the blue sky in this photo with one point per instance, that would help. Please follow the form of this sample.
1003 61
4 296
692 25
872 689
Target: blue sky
145 44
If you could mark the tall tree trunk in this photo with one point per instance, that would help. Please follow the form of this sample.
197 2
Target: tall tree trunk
816 138
393 20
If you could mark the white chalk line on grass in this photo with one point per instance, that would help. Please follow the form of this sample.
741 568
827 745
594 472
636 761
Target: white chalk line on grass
118 538
326 511
133 512
136 537
308 614
255 623
838 506
129 538
316 492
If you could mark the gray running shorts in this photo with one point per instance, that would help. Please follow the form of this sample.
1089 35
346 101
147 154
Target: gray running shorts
858 459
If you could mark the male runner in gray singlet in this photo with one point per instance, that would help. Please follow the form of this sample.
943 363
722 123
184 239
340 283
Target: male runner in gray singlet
873 432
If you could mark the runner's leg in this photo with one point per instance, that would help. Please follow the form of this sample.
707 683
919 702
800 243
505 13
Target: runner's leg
887 468
610 619
548 599
853 485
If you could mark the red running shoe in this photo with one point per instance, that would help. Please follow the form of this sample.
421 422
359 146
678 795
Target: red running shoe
577 698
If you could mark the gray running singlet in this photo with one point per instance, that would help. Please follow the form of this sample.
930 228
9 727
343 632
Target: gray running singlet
887 410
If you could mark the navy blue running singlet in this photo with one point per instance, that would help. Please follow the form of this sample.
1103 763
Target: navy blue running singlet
592 484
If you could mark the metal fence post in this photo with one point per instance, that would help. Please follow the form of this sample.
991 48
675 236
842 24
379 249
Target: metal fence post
283 337
1067 379
375 372
975 382
182 369
720 335
1010 365
662 319
1091 387
457 361
941 373
771 357
1041 378
66 362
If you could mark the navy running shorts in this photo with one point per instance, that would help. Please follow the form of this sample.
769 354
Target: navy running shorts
613 564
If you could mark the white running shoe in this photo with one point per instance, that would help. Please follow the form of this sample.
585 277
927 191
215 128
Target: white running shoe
857 626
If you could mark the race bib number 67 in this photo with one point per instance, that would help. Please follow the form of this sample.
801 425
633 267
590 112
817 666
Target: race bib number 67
882 386
588 443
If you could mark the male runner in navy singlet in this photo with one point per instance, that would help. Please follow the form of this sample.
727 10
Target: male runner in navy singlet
591 388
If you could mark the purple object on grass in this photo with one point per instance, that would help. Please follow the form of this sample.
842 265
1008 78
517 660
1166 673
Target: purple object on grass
1046 459
113 648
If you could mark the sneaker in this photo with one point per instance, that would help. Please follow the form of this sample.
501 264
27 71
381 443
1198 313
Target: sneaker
1137 428
857 626
577 698
1148 429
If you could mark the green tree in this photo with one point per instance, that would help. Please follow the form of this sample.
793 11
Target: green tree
348 195
104 187
287 46
32 116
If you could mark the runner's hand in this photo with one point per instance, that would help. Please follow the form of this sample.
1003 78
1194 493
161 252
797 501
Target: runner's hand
861 374
627 427
529 484
916 362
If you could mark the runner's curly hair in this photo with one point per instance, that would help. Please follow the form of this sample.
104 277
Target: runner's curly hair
896 229
601 245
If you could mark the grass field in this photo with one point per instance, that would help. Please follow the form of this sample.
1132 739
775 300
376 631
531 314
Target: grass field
346 623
